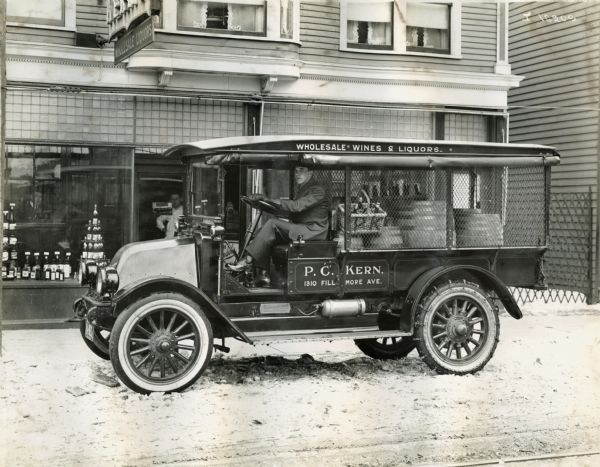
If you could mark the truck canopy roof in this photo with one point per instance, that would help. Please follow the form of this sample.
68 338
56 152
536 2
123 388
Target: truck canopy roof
338 151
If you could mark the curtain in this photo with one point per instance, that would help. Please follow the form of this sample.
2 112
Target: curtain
245 17
379 34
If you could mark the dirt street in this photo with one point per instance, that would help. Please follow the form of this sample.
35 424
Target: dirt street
273 406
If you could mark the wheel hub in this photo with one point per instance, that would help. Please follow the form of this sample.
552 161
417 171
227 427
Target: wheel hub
162 342
458 329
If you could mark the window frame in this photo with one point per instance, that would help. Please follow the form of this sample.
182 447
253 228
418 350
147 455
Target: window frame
399 31
169 16
68 20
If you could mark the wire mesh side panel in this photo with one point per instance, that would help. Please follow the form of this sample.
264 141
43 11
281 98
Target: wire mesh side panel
477 202
393 209
525 207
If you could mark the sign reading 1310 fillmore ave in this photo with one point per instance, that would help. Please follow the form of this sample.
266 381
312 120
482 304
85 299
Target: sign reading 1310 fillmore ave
134 40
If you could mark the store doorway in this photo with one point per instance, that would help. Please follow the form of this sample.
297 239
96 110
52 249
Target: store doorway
154 183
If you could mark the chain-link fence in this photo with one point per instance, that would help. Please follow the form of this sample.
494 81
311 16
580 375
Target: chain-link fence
568 262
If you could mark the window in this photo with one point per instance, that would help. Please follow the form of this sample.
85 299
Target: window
240 17
401 27
370 25
51 13
55 188
428 27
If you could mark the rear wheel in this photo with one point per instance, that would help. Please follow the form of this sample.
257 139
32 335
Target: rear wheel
457 328
161 343
386 348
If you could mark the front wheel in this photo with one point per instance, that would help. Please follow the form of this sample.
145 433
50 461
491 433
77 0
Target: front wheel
161 343
457 328
100 343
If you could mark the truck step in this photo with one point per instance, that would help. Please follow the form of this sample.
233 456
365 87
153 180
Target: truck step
323 335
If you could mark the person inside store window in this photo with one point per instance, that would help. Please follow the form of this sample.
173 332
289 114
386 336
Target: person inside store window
33 208
168 223
309 219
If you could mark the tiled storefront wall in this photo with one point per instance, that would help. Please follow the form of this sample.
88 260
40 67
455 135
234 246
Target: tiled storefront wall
306 119
168 121
465 127
38 115
68 117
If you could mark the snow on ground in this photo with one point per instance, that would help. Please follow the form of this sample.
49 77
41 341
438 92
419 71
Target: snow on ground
309 403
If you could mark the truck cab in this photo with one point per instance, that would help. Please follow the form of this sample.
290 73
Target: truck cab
424 239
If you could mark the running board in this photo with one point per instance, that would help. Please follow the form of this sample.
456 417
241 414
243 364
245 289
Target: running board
325 335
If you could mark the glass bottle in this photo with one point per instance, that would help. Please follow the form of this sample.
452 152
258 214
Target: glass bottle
10 271
95 215
46 266
5 220
67 269
88 235
26 271
12 223
37 268
4 269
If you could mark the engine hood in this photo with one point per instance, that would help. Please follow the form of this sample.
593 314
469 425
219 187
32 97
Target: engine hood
174 258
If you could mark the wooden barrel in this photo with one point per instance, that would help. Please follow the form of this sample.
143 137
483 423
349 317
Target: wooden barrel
475 229
388 238
423 224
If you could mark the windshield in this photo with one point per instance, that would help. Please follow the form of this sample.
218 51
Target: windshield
206 189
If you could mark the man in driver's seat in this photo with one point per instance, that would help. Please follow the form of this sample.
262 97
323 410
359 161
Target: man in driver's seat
309 218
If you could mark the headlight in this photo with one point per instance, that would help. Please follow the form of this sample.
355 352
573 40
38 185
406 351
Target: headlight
87 272
107 281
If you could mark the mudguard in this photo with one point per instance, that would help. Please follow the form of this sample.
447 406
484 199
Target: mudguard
135 290
420 286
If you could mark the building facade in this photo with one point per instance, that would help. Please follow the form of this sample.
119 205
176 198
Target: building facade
82 131
555 46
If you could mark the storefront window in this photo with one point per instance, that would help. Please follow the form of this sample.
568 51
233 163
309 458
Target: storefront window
55 188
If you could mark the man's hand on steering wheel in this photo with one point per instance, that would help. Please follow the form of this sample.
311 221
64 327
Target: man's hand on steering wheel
258 197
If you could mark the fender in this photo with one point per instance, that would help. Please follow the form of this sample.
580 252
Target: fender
420 286
143 287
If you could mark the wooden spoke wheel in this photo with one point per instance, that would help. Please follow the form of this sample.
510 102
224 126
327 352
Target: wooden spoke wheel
161 343
457 328
386 348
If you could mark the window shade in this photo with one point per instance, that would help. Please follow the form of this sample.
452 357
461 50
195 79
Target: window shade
427 15
376 12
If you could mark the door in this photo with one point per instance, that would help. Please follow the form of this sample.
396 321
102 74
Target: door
154 183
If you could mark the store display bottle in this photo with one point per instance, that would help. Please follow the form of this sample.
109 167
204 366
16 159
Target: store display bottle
37 268
59 274
67 269
95 219
54 266
12 223
4 269
5 220
88 235
26 270
46 266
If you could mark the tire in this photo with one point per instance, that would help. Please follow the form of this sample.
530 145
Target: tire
386 348
457 328
100 343
166 329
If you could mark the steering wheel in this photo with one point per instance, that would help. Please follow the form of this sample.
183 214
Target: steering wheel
263 205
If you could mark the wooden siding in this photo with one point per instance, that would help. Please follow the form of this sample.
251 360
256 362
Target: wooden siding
91 17
558 102
40 35
320 37
234 46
